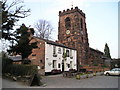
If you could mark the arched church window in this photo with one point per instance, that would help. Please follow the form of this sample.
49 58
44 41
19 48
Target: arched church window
82 39
76 18
81 23
67 23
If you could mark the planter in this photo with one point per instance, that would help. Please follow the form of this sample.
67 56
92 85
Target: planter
64 74
83 76
94 74
78 76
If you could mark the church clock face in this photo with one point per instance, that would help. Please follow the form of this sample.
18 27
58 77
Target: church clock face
68 32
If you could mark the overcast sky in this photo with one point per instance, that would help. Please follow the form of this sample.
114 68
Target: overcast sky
101 19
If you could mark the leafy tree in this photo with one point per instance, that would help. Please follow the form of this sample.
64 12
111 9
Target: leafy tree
23 46
107 51
43 29
10 15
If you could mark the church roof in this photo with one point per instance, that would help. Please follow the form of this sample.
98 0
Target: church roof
96 50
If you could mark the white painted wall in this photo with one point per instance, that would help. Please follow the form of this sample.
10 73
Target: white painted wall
49 58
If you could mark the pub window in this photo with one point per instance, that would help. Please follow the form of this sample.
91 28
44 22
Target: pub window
33 54
58 65
71 64
67 53
68 65
59 50
67 23
40 61
63 51
54 64
54 49
82 39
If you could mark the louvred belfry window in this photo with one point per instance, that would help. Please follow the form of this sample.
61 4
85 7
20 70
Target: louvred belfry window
81 23
67 23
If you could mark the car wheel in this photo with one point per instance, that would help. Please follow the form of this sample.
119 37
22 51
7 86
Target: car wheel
107 74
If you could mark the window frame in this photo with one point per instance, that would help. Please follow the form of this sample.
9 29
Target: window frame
67 23
54 66
54 50
59 50
59 65
67 53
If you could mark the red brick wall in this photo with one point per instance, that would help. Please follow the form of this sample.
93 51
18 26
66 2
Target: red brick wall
75 39
95 58
38 55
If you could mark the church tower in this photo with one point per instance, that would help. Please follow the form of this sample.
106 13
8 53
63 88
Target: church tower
72 32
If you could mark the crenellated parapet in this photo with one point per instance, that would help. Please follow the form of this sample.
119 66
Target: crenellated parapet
72 10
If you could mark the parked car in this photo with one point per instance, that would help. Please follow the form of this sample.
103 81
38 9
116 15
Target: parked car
114 71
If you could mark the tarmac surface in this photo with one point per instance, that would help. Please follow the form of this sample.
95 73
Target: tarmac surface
58 81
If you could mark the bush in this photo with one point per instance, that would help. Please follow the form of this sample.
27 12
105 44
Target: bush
95 64
82 73
17 69
5 63
21 70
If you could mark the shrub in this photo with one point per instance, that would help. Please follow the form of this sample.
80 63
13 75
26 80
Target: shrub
82 74
95 64
5 63
21 70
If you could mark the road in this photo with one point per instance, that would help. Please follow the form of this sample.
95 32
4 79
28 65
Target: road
57 81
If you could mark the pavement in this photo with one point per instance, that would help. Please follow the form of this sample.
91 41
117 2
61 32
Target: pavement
57 81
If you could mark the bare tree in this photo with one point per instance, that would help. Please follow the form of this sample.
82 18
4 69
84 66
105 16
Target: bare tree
43 29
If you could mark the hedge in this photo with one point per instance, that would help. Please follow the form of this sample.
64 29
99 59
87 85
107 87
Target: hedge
17 69
20 69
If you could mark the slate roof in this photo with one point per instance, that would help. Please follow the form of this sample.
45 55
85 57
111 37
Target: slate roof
55 43
96 50
15 58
